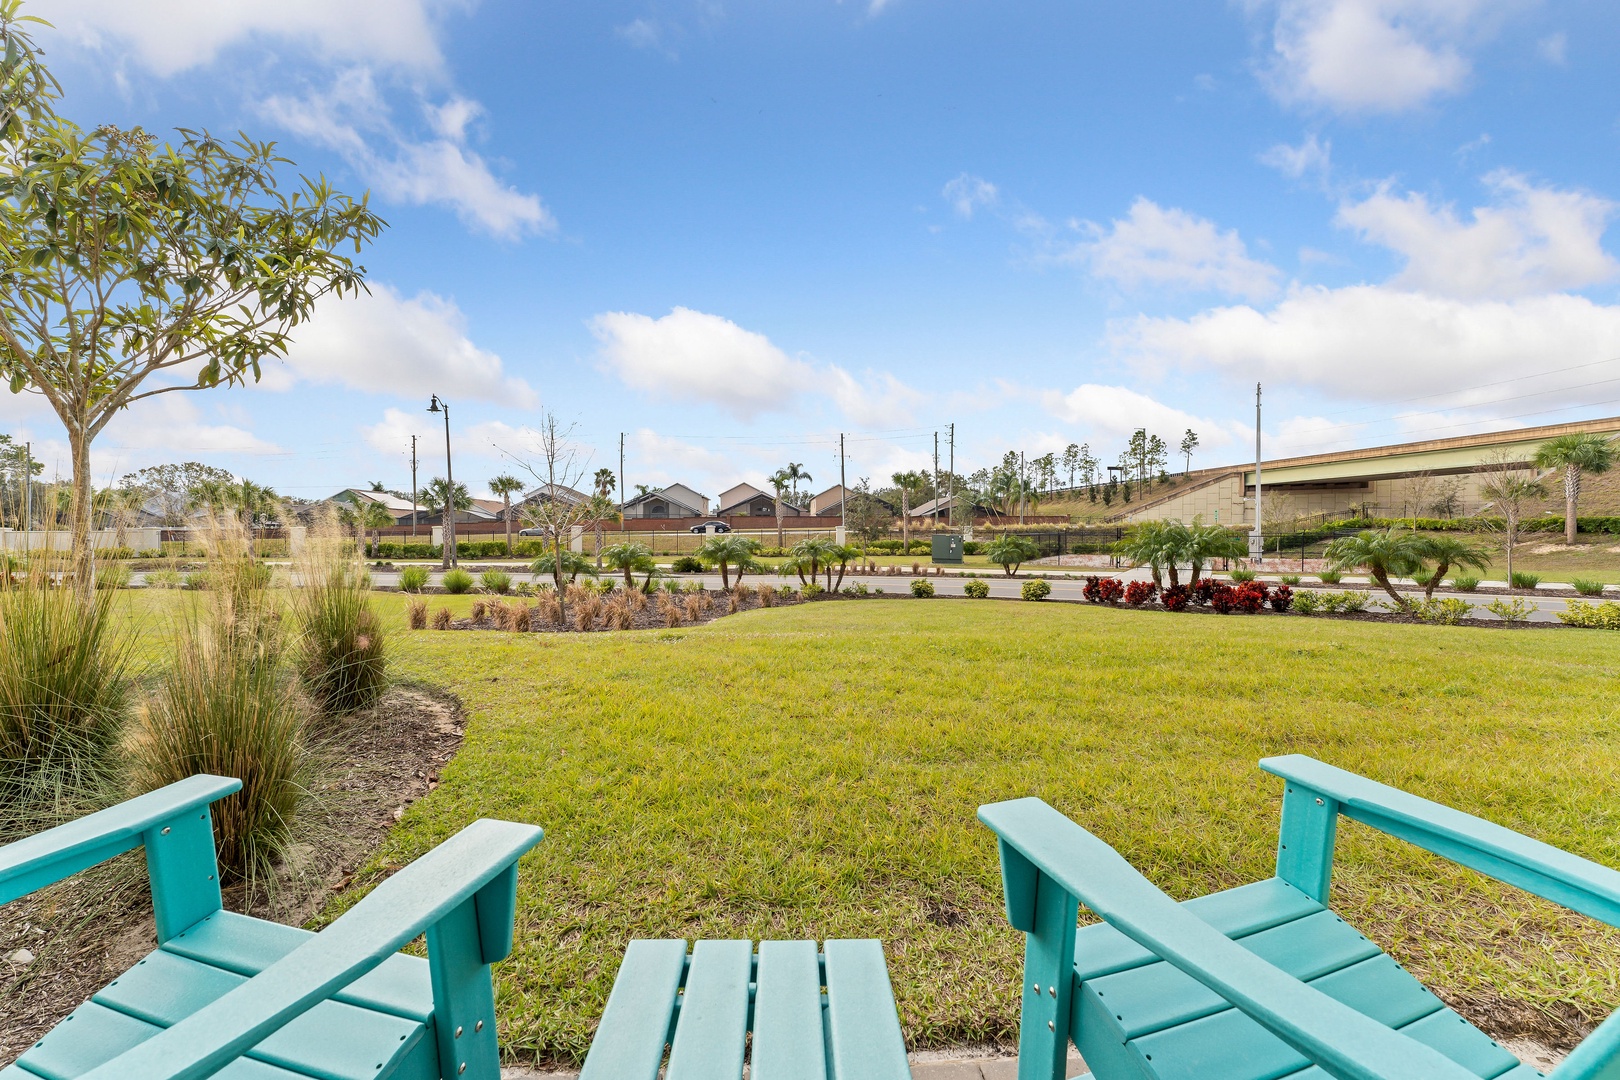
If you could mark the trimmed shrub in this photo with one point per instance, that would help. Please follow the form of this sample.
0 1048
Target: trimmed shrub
1523 579
1175 598
496 581
1515 610
978 590
688 564
1282 597
1202 590
1349 601
1307 602
1604 616
1138 593
1330 577
812 590
1446 612
457 581
1586 587
163 579
972 547
1035 590
1222 597
1465 583
921 588
413 579
1249 597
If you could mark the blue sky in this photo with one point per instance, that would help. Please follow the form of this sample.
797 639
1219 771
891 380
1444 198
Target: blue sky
732 230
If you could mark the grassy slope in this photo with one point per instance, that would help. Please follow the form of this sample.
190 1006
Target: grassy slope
814 772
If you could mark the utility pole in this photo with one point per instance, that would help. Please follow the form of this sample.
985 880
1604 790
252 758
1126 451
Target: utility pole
1023 485
449 553
953 477
28 498
843 492
413 488
936 478
1257 538
622 497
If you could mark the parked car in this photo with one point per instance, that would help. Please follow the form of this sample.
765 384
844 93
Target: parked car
538 530
711 526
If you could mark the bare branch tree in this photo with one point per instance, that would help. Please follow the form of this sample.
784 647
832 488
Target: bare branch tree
1510 488
556 510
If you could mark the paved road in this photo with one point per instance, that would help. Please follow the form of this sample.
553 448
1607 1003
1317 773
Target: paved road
1063 588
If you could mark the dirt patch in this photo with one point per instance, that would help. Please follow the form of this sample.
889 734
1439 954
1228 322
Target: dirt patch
78 936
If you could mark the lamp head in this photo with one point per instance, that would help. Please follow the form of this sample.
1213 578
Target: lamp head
433 405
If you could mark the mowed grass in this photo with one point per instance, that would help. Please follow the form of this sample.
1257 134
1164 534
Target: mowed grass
814 772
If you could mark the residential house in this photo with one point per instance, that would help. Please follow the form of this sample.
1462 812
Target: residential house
399 508
746 500
830 503
940 510
674 501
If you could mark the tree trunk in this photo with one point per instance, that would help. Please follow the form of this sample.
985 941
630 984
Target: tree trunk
506 512
779 540
1175 578
1512 535
905 521
1383 579
1572 495
83 564
1439 572
725 576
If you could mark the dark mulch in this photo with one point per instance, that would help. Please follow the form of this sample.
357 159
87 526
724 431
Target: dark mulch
87 930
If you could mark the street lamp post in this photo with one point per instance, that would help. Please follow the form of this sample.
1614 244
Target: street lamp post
449 559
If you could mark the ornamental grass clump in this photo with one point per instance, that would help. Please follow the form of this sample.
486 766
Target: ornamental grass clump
496 581
65 682
1523 579
340 645
416 610
227 705
1465 583
441 619
457 581
1586 587
413 579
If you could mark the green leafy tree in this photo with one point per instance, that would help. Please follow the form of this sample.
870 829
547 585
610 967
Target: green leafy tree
810 556
1578 455
629 558
178 488
865 517
435 495
506 486
795 473
1010 551
729 552
1383 553
1189 443
1447 553
562 563
132 269
1157 545
17 471
373 517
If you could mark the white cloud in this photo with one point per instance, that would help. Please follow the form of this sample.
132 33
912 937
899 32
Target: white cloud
692 356
353 119
1554 48
1531 240
1117 411
660 460
1170 247
386 343
967 193
1370 340
642 33
878 400
1374 55
1310 156
171 36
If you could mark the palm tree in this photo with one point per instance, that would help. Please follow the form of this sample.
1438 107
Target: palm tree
780 482
909 483
1447 552
602 510
564 562
1158 544
845 554
630 558
373 517
728 551
1198 545
1010 550
795 473
1383 553
1576 455
506 486
810 556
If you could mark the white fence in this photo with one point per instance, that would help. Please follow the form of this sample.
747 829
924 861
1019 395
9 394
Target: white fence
61 539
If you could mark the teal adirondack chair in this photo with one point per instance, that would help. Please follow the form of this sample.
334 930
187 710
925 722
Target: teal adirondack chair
1262 981
237 998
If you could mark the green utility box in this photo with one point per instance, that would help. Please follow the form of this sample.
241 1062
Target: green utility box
947 547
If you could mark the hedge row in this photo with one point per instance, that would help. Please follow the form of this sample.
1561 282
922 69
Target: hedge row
1552 523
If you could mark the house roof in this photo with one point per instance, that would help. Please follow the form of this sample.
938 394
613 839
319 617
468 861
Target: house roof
391 502
555 492
492 507
737 493
749 494
680 495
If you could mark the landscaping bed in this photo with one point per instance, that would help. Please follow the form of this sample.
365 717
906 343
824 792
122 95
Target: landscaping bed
77 936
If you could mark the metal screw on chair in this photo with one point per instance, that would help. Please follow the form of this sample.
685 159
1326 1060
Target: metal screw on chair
478 1026
458 1031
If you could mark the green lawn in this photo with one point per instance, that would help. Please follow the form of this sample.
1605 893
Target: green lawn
814 771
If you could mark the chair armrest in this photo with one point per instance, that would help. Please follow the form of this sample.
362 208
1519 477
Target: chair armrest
388 918
1494 850
48 857
1342 1041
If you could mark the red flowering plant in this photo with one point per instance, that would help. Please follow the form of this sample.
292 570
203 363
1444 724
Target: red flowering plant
1174 597
1203 589
1138 593
1110 589
1222 597
1092 589
1282 598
